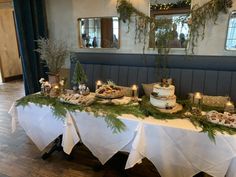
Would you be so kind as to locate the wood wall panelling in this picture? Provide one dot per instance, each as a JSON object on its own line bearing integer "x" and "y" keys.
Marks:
{"x": 89, "y": 73}
{"x": 97, "y": 70}
{"x": 114, "y": 73}
{"x": 5, "y": 1}
{"x": 186, "y": 82}
{"x": 123, "y": 76}
{"x": 188, "y": 77}
{"x": 11, "y": 64}
{"x": 223, "y": 83}
{"x": 198, "y": 81}
{"x": 175, "y": 74}
{"x": 84, "y": 67}
{"x": 132, "y": 76}
{"x": 211, "y": 83}
{"x": 152, "y": 75}
{"x": 233, "y": 86}
{"x": 5, "y": 5}
{"x": 142, "y": 78}
{"x": 105, "y": 75}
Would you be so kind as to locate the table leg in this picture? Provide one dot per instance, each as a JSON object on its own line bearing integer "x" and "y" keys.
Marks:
{"x": 56, "y": 147}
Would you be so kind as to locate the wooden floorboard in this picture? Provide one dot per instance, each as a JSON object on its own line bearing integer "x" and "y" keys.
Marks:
{"x": 19, "y": 157}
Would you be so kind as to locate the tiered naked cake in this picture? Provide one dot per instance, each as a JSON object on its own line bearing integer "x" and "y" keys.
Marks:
{"x": 163, "y": 96}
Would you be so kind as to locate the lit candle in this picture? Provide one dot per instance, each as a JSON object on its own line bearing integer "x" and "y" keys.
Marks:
{"x": 229, "y": 107}
{"x": 197, "y": 98}
{"x": 98, "y": 84}
{"x": 62, "y": 82}
{"x": 46, "y": 83}
{"x": 56, "y": 87}
{"x": 134, "y": 91}
{"x": 198, "y": 95}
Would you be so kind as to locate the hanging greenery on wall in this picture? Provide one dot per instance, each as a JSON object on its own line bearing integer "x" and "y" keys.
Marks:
{"x": 201, "y": 15}
{"x": 198, "y": 18}
{"x": 167, "y": 6}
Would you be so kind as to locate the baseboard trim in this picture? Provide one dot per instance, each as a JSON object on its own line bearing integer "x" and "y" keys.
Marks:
{"x": 12, "y": 78}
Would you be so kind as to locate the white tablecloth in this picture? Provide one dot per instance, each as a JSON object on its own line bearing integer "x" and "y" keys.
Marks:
{"x": 175, "y": 147}
{"x": 43, "y": 127}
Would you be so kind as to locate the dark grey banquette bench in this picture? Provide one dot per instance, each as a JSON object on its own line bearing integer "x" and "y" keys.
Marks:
{"x": 211, "y": 75}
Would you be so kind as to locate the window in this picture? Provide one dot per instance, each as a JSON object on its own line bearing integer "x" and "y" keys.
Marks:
{"x": 230, "y": 43}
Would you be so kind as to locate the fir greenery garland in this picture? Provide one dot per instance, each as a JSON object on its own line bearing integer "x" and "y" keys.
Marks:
{"x": 110, "y": 113}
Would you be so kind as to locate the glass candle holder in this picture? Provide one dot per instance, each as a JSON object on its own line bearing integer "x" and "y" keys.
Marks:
{"x": 134, "y": 92}
{"x": 197, "y": 99}
{"x": 229, "y": 107}
{"x": 98, "y": 84}
{"x": 57, "y": 89}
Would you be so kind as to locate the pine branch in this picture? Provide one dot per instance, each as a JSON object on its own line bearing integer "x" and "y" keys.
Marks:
{"x": 111, "y": 112}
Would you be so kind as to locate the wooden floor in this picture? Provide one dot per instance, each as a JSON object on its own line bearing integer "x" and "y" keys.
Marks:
{"x": 19, "y": 157}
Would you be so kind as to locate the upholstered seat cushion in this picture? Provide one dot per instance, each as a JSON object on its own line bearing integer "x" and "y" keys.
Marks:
{"x": 218, "y": 101}
{"x": 148, "y": 88}
{"x": 126, "y": 90}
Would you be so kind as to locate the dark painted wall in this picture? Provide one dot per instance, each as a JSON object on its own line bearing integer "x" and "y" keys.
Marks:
{"x": 212, "y": 75}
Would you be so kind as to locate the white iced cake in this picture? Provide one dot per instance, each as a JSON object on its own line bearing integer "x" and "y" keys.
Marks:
{"x": 163, "y": 97}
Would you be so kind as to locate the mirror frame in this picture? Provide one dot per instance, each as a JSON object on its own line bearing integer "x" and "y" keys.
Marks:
{"x": 97, "y": 48}
{"x": 226, "y": 48}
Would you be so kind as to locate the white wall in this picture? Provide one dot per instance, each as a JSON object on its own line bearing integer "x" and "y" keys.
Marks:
{"x": 62, "y": 23}
{"x": 215, "y": 35}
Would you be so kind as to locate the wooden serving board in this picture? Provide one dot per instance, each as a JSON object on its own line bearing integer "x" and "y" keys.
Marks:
{"x": 110, "y": 97}
{"x": 177, "y": 108}
{"x": 120, "y": 101}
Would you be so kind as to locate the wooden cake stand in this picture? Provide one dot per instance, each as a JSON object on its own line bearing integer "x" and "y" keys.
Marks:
{"x": 177, "y": 108}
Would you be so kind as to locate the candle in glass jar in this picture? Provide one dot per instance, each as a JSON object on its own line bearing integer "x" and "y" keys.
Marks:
{"x": 56, "y": 87}
{"x": 198, "y": 95}
{"x": 197, "y": 98}
{"x": 134, "y": 91}
{"x": 98, "y": 84}
{"x": 229, "y": 107}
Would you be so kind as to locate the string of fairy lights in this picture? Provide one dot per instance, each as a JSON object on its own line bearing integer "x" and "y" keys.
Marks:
{"x": 167, "y": 6}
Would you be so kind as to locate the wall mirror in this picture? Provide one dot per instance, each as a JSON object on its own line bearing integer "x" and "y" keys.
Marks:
{"x": 174, "y": 12}
{"x": 99, "y": 32}
{"x": 230, "y": 43}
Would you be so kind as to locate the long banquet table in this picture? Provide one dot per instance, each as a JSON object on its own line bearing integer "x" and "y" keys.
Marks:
{"x": 175, "y": 147}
